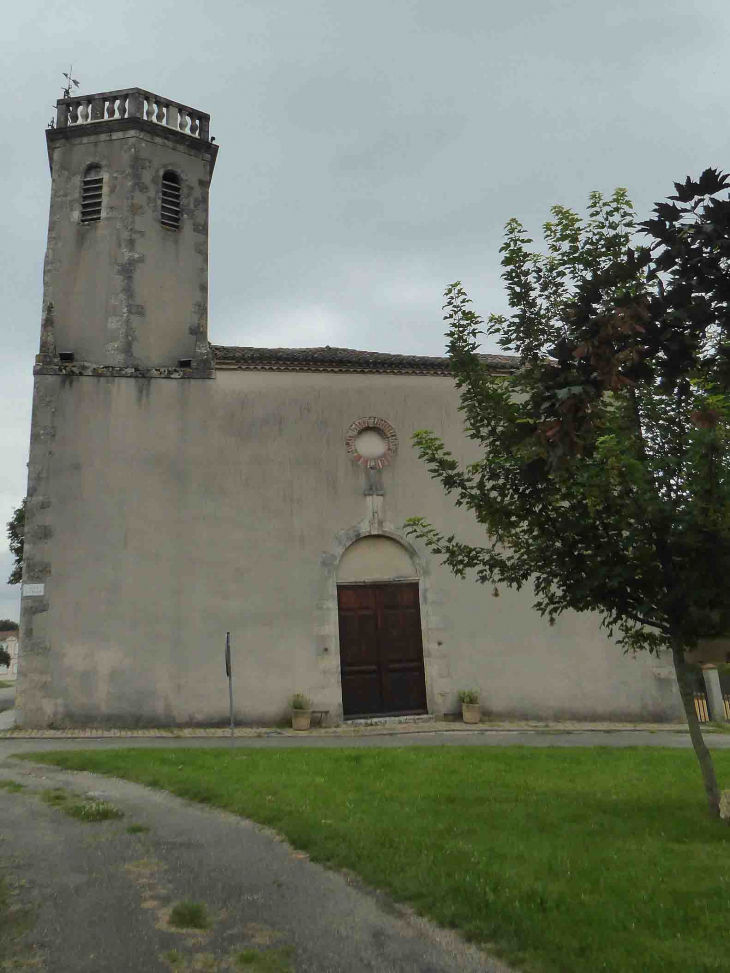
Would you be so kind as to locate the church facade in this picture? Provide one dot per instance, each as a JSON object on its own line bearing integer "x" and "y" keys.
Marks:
{"x": 179, "y": 490}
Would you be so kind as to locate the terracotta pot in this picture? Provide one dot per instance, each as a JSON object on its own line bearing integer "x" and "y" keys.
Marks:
{"x": 471, "y": 712}
{"x": 300, "y": 719}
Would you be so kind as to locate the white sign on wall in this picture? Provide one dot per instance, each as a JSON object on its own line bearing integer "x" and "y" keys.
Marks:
{"x": 33, "y": 589}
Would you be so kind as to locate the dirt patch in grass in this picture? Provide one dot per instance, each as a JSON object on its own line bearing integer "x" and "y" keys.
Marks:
{"x": 200, "y": 962}
{"x": 15, "y": 921}
{"x": 277, "y": 960}
{"x": 56, "y": 796}
{"x": 88, "y": 810}
{"x": 91, "y": 811}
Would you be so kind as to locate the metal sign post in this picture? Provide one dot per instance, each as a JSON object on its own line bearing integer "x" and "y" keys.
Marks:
{"x": 230, "y": 679}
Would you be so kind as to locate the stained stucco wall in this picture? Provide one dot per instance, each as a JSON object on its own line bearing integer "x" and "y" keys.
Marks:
{"x": 105, "y": 279}
{"x": 164, "y": 513}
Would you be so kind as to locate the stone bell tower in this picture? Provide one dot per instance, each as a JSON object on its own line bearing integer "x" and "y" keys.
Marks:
{"x": 126, "y": 270}
{"x": 124, "y": 358}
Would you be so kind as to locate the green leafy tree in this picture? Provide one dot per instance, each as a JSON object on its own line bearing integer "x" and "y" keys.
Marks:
{"x": 16, "y": 534}
{"x": 604, "y": 471}
{"x": 6, "y": 625}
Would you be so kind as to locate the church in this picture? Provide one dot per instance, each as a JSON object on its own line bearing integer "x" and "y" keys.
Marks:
{"x": 179, "y": 490}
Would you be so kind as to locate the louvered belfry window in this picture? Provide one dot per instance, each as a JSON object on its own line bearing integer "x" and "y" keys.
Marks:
{"x": 170, "y": 200}
{"x": 92, "y": 189}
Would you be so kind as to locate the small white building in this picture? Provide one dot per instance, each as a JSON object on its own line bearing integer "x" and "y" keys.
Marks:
{"x": 11, "y": 643}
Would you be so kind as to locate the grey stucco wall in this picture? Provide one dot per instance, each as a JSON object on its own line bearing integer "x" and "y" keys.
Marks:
{"x": 164, "y": 513}
{"x": 127, "y": 290}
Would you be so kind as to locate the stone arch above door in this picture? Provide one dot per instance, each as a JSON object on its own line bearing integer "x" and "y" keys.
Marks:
{"x": 375, "y": 558}
{"x": 327, "y": 638}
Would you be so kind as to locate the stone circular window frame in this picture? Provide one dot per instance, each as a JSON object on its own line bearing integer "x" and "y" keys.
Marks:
{"x": 391, "y": 441}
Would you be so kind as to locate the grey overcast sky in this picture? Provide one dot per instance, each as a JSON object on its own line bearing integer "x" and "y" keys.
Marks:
{"x": 371, "y": 152}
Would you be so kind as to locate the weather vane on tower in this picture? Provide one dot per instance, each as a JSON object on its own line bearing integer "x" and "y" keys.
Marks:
{"x": 71, "y": 82}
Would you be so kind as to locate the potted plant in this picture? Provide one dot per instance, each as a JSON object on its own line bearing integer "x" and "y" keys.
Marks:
{"x": 301, "y": 711}
{"x": 471, "y": 711}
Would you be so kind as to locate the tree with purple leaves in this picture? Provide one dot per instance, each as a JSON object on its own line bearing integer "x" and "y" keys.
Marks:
{"x": 603, "y": 477}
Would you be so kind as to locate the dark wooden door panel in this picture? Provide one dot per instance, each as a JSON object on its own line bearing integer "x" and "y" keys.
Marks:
{"x": 361, "y": 692}
{"x": 401, "y": 629}
{"x": 359, "y": 630}
{"x": 381, "y": 650}
{"x": 405, "y": 692}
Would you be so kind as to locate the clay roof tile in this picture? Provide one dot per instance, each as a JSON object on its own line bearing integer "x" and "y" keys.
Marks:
{"x": 343, "y": 359}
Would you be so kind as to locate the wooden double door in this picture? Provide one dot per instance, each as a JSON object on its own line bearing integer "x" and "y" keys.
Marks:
{"x": 381, "y": 650}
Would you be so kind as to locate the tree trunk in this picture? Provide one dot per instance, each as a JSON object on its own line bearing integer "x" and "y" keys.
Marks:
{"x": 704, "y": 757}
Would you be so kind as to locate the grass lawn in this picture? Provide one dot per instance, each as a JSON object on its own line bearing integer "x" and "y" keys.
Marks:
{"x": 561, "y": 860}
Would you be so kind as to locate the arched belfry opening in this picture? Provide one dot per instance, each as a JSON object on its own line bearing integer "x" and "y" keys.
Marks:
{"x": 381, "y": 644}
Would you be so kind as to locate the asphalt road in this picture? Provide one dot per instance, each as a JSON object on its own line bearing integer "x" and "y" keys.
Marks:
{"x": 99, "y": 899}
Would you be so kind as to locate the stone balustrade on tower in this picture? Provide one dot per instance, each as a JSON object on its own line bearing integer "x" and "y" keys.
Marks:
{"x": 112, "y": 106}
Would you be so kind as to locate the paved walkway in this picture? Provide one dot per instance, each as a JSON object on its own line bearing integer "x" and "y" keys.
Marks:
{"x": 360, "y": 731}
{"x": 404, "y": 735}
{"x": 98, "y": 899}
{"x": 354, "y": 730}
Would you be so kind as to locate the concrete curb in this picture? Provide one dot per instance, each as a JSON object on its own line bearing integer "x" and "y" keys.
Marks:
{"x": 342, "y": 731}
